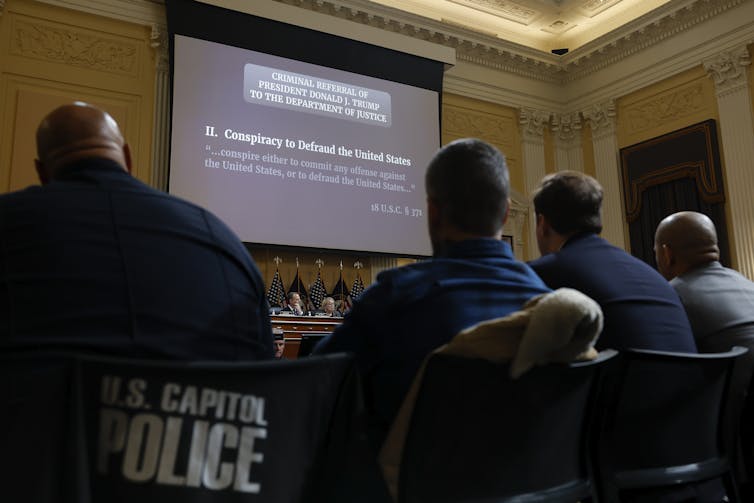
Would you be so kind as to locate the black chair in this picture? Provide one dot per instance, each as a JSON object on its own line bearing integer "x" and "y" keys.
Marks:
{"x": 92, "y": 429}
{"x": 661, "y": 427}
{"x": 477, "y": 435}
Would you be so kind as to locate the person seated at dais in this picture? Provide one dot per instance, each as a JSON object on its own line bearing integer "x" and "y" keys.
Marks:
{"x": 327, "y": 308}
{"x": 293, "y": 304}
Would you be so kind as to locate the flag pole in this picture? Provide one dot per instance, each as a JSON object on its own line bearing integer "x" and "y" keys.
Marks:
{"x": 342, "y": 295}
{"x": 298, "y": 279}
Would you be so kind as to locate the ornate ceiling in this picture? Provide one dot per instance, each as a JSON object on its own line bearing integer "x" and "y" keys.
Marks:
{"x": 495, "y": 33}
{"x": 540, "y": 24}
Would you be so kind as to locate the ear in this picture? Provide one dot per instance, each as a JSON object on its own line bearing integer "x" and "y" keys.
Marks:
{"x": 543, "y": 233}
{"x": 543, "y": 226}
{"x": 507, "y": 210}
{"x": 41, "y": 172}
{"x": 434, "y": 213}
{"x": 127, "y": 156}
{"x": 668, "y": 256}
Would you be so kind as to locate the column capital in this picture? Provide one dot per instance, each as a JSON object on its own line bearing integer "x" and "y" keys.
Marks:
{"x": 533, "y": 123}
{"x": 601, "y": 118}
{"x": 566, "y": 126}
{"x": 158, "y": 41}
{"x": 728, "y": 70}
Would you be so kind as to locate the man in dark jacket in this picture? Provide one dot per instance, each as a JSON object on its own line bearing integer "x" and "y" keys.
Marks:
{"x": 641, "y": 310}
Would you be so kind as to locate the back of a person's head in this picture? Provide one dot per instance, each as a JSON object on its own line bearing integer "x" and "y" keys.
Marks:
{"x": 570, "y": 201}
{"x": 78, "y": 131}
{"x": 469, "y": 180}
{"x": 691, "y": 235}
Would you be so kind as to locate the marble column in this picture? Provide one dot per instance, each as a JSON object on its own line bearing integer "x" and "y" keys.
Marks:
{"x": 533, "y": 124}
{"x": 161, "y": 121}
{"x": 729, "y": 70}
{"x": 601, "y": 118}
{"x": 566, "y": 130}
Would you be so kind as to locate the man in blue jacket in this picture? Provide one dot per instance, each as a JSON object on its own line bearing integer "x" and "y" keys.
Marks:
{"x": 641, "y": 309}
{"x": 472, "y": 276}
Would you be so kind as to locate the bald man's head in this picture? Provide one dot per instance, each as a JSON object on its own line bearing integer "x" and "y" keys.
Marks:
{"x": 684, "y": 241}
{"x": 74, "y": 132}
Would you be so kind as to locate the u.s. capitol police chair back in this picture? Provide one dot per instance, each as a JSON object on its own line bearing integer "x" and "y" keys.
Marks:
{"x": 92, "y": 429}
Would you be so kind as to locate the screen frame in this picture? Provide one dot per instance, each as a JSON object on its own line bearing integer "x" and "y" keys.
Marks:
{"x": 224, "y": 26}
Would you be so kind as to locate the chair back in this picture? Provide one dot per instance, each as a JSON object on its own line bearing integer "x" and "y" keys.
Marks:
{"x": 662, "y": 421}
{"x": 144, "y": 431}
{"x": 478, "y": 435}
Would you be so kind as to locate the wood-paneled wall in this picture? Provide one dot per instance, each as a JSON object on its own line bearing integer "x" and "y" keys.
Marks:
{"x": 308, "y": 267}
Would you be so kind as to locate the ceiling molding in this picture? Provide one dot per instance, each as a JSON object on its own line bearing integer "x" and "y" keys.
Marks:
{"x": 641, "y": 34}
{"x": 415, "y": 43}
{"x": 482, "y": 49}
{"x": 475, "y": 47}
{"x": 145, "y": 12}
{"x": 511, "y": 96}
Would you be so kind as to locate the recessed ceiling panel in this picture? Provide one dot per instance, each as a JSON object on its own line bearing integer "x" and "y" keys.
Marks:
{"x": 512, "y": 11}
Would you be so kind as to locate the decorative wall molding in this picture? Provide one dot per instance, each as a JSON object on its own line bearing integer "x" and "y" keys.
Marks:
{"x": 729, "y": 70}
{"x": 465, "y": 123}
{"x": 508, "y": 62}
{"x": 73, "y": 47}
{"x": 669, "y": 106}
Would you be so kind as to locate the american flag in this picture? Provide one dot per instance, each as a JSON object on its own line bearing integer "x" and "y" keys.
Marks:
{"x": 358, "y": 287}
{"x": 276, "y": 293}
{"x": 318, "y": 291}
